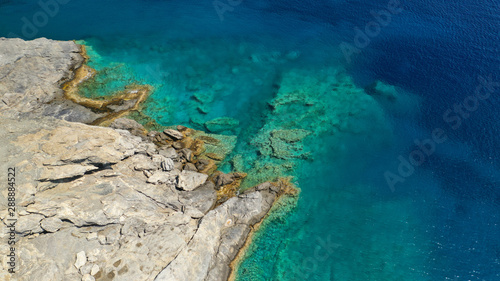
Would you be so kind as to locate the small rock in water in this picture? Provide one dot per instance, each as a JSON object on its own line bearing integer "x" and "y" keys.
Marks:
{"x": 177, "y": 145}
{"x": 174, "y": 134}
{"x": 181, "y": 128}
{"x": 162, "y": 136}
{"x": 202, "y": 163}
{"x": 223, "y": 179}
{"x": 198, "y": 147}
{"x": 215, "y": 156}
{"x": 153, "y": 134}
{"x": 187, "y": 153}
{"x": 186, "y": 142}
{"x": 207, "y": 167}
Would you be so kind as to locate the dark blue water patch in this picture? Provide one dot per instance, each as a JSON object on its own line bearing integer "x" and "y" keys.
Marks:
{"x": 465, "y": 238}
{"x": 466, "y": 179}
{"x": 437, "y": 49}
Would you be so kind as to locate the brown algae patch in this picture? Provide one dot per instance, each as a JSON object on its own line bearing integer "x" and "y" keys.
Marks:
{"x": 131, "y": 93}
{"x": 139, "y": 93}
{"x": 227, "y": 191}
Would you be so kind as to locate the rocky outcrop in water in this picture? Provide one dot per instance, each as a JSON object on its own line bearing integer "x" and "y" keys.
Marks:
{"x": 95, "y": 203}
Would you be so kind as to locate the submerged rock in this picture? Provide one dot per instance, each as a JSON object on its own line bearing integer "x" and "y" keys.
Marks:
{"x": 222, "y": 124}
{"x": 206, "y": 166}
{"x": 378, "y": 88}
{"x": 290, "y": 136}
{"x": 187, "y": 154}
{"x": 223, "y": 179}
{"x": 176, "y": 135}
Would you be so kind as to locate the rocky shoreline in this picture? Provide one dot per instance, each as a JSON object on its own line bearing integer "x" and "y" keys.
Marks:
{"x": 117, "y": 202}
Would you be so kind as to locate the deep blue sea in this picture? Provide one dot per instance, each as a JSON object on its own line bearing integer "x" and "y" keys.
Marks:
{"x": 400, "y": 181}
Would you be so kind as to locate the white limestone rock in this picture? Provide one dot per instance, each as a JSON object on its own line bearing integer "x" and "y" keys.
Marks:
{"x": 189, "y": 180}
{"x": 81, "y": 259}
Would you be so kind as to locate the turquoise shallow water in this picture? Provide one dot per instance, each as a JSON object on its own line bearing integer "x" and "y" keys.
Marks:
{"x": 299, "y": 108}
